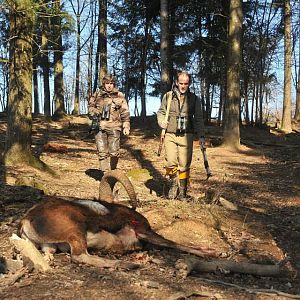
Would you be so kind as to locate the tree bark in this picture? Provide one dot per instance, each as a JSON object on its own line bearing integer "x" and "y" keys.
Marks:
{"x": 172, "y": 37}
{"x": 297, "y": 110}
{"x": 19, "y": 124}
{"x": 36, "y": 106}
{"x": 231, "y": 129}
{"x": 45, "y": 64}
{"x": 144, "y": 69}
{"x": 286, "y": 124}
{"x": 90, "y": 52}
{"x": 76, "y": 109}
{"x": 103, "y": 38}
{"x": 58, "y": 63}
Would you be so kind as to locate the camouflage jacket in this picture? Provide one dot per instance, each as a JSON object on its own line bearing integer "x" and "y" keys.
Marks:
{"x": 191, "y": 109}
{"x": 111, "y": 109}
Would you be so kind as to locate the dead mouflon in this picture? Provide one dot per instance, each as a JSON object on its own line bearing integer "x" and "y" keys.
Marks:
{"x": 81, "y": 224}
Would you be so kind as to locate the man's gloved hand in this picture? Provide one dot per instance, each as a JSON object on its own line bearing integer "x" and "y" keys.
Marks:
{"x": 92, "y": 115}
{"x": 202, "y": 140}
{"x": 164, "y": 124}
{"x": 126, "y": 131}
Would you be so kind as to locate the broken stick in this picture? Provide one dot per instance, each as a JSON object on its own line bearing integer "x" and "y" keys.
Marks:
{"x": 186, "y": 266}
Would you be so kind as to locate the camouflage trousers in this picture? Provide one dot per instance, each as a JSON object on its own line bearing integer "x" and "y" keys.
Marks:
{"x": 108, "y": 146}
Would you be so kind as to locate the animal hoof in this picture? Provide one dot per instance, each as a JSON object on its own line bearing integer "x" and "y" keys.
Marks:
{"x": 49, "y": 257}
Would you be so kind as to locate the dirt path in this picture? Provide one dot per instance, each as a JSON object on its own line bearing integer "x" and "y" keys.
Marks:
{"x": 261, "y": 182}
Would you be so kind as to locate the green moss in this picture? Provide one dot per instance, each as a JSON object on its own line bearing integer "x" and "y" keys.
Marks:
{"x": 13, "y": 158}
{"x": 29, "y": 181}
{"x": 139, "y": 174}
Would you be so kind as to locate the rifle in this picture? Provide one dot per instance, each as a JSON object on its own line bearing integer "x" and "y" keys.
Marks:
{"x": 205, "y": 160}
{"x": 163, "y": 132}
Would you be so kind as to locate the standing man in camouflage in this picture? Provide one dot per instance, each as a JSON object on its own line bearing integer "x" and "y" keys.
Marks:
{"x": 185, "y": 120}
{"x": 110, "y": 107}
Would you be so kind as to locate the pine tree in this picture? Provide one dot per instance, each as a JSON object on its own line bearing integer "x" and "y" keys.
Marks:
{"x": 19, "y": 125}
{"x": 231, "y": 133}
{"x": 286, "y": 124}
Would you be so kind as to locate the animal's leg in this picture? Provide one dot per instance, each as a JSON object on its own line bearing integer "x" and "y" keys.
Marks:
{"x": 101, "y": 262}
{"x": 123, "y": 241}
{"x": 105, "y": 241}
{"x": 49, "y": 250}
{"x": 63, "y": 247}
{"x": 79, "y": 254}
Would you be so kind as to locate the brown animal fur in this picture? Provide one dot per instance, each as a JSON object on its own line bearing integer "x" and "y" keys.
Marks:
{"x": 79, "y": 225}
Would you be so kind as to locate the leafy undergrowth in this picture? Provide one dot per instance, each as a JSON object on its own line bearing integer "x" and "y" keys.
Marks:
{"x": 249, "y": 210}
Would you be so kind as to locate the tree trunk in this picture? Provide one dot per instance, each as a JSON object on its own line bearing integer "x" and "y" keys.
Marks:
{"x": 126, "y": 64}
{"x": 231, "y": 129}
{"x": 44, "y": 60}
{"x": 172, "y": 37}
{"x": 221, "y": 102}
{"x": 253, "y": 104}
{"x": 58, "y": 63}
{"x": 297, "y": 110}
{"x": 35, "y": 82}
{"x": 36, "y": 106}
{"x": 256, "y": 101}
{"x": 90, "y": 53}
{"x": 19, "y": 124}
{"x": 96, "y": 78}
{"x": 77, "y": 68}
{"x": 261, "y": 99}
{"x": 45, "y": 65}
{"x": 164, "y": 47}
{"x": 207, "y": 102}
{"x": 5, "y": 90}
{"x": 246, "y": 97}
{"x": 103, "y": 38}
{"x": 286, "y": 124}
{"x": 144, "y": 70}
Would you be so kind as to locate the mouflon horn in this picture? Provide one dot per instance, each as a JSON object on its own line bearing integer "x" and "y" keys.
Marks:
{"x": 107, "y": 183}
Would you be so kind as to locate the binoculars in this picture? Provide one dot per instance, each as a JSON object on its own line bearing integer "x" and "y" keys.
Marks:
{"x": 181, "y": 123}
{"x": 105, "y": 115}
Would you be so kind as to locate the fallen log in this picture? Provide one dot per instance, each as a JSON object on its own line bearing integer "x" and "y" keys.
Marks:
{"x": 29, "y": 251}
{"x": 188, "y": 265}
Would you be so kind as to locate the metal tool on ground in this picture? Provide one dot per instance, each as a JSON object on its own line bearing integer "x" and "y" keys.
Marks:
{"x": 205, "y": 160}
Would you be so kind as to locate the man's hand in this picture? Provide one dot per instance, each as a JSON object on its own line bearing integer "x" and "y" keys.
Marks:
{"x": 164, "y": 124}
{"x": 93, "y": 115}
{"x": 126, "y": 131}
{"x": 202, "y": 140}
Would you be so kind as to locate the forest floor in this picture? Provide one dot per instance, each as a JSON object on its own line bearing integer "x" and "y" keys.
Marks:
{"x": 260, "y": 222}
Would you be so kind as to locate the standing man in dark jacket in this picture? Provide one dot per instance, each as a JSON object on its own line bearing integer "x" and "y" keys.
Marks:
{"x": 110, "y": 107}
{"x": 185, "y": 119}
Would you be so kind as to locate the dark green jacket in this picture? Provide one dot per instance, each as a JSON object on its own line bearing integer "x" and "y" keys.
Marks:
{"x": 191, "y": 109}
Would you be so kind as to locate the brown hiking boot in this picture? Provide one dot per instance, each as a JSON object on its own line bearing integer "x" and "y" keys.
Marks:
{"x": 104, "y": 164}
{"x": 114, "y": 162}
